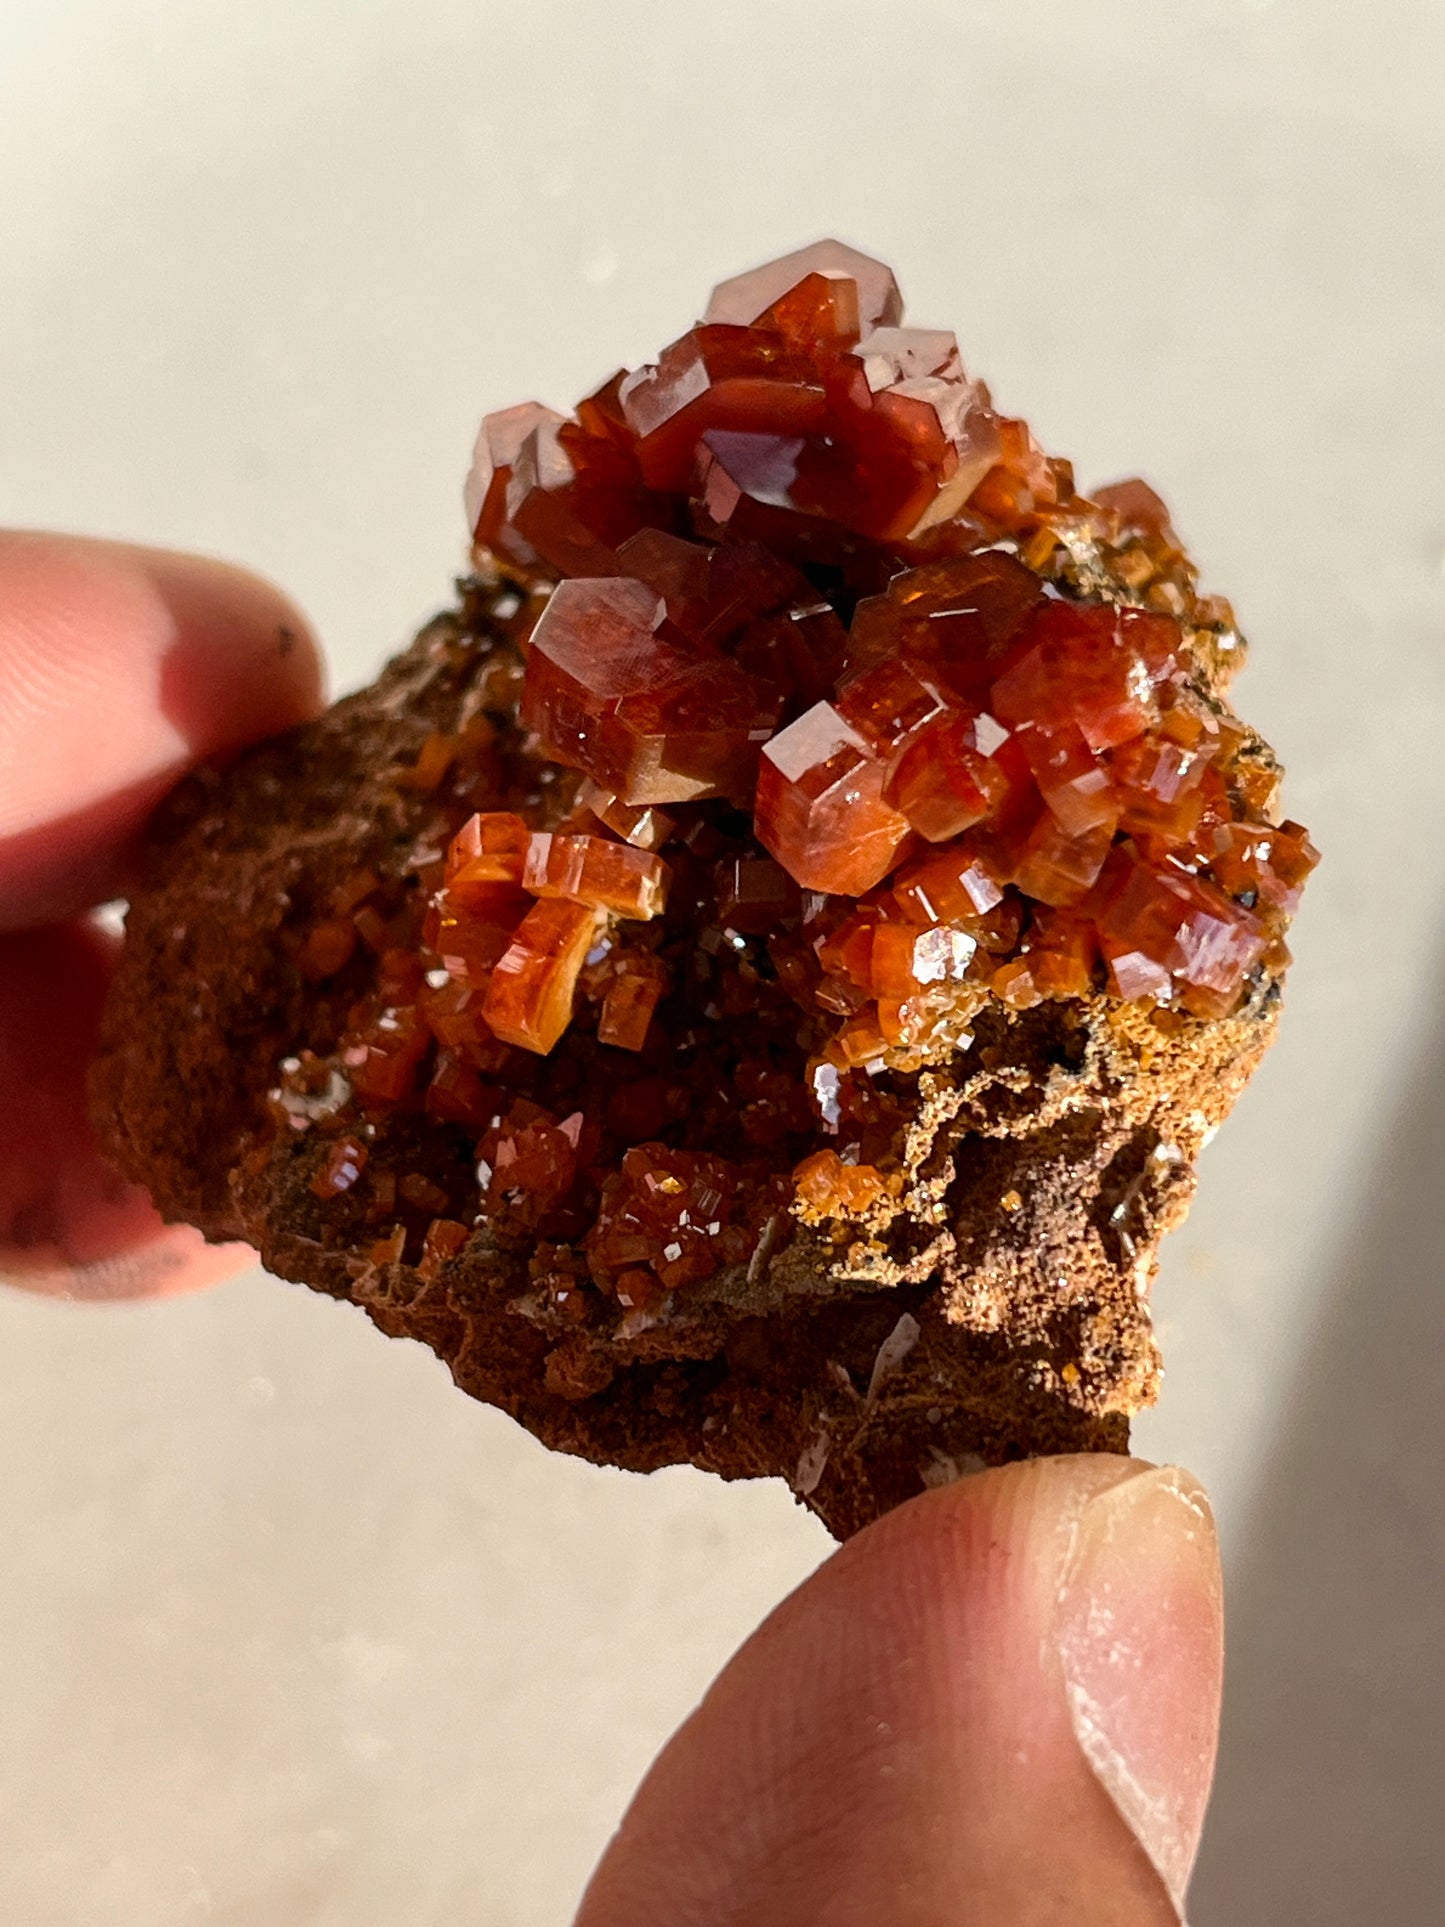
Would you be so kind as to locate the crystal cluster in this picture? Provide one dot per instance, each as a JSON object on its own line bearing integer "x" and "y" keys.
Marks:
{"x": 800, "y": 460}
{"x": 873, "y": 721}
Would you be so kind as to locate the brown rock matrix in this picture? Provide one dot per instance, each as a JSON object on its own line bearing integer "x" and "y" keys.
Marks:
{"x": 750, "y": 985}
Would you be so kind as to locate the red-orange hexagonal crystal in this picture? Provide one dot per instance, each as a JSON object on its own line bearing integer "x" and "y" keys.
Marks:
{"x": 874, "y": 302}
{"x": 820, "y": 807}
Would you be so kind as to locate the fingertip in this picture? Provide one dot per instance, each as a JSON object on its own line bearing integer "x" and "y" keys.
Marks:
{"x": 70, "y": 1226}
{"x": 245, "y": 662}
{"x": 1116, "y": 1561}
{"x": 1139, "y": 1631}
{"x": 137, "y": 1257}
{"x": 936, "y": 1726}
{"x": 119, "y": 668}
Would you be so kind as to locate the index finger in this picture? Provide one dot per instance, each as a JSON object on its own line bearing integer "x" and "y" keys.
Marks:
{"x": 120, "y": 667}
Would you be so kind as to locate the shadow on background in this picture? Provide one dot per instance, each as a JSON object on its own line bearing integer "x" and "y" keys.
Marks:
{"x": 1330, "y": 1806}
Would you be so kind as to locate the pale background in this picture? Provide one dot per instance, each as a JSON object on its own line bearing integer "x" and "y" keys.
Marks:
{"x": 291, "y": 1635}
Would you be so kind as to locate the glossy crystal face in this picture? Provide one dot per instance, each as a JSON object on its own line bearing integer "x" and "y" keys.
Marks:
{"x": 797, "y": 558}
{"x": 862, "y": 721}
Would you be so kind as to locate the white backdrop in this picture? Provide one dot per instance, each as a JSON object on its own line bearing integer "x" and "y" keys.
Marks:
{"x": 291, "y": 1635}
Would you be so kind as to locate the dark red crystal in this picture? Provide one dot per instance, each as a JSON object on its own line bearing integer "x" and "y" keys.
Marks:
{"x": 943, "y": 782}
{"x": 1097, "y": 667}
{"x": 630, "y": 999}
{"x": 1182, "y": 926}
{"x": 867, "y": 290}
{"x": 819, "y": 806}
{"x": 650, "y": 718}
{"x": 669, "y": 1212}
{"x": 857, "y": 720}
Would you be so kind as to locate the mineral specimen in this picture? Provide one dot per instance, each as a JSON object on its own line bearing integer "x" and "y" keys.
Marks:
{"x": 838, "y": 616}
{"x": 815, "y": 750}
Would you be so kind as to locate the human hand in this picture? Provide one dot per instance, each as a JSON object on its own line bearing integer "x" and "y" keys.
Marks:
{"x": 996, "y": 1707}
{"x": 976, "y": 1711}
{"x": 119, "y": 669}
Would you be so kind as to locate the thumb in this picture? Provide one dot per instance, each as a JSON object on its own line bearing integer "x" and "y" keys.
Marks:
{"x": 997, "y": 1705}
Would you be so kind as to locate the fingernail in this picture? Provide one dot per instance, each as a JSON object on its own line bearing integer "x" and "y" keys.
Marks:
{"x": 1139, "y": 1630}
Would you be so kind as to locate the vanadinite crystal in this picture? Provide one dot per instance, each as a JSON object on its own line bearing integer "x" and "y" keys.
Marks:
{"x": 837, "y": 718}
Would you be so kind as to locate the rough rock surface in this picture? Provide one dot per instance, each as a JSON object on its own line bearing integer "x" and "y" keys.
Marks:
{"x": 997, "y": 1307}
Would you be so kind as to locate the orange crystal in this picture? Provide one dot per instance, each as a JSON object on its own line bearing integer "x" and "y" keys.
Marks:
{"x": 592, "y": 870}
{"x": 1183, "y": 925}
{"x": 955, "y": 622}
{"x": 1058, "y": 866}
{"x": 529, "y": 996}
{"x": 827, "y": 1185}
{"x": 499, "y": 442}
{"x": 444, "y": 1238}
{"x": 670, "y": 1212}
{"x": 1093, "y": 665}
{"x": 904, "y": 958}
{"x": 631, "y": 998}
{"x": 471, "y": 938}
{"x": 489, "y": 848}
{"x": 958, "y": 882}
{"x": 528, "y": 1159}
{"x": 645, "y": 827}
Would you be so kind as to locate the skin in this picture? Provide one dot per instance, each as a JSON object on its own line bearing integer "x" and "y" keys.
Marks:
{"x": 998, "y": 1705}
